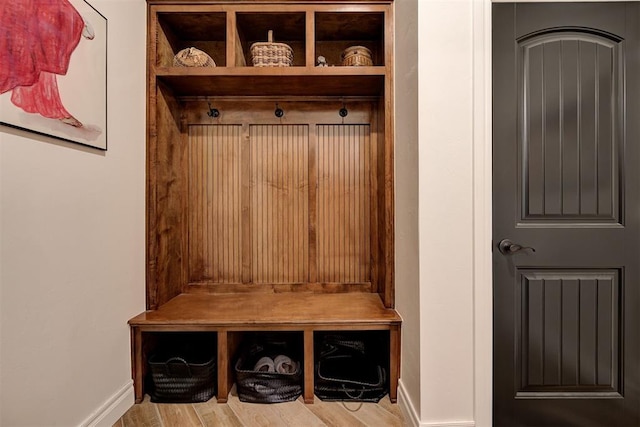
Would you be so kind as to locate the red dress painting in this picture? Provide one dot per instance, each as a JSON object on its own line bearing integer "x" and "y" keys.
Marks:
{"x": 37, "y": 38}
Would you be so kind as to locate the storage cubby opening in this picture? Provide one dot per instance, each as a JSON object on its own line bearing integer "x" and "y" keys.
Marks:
{"x": 179, "y": 349}
{"x": 180, "y": 344}
{"x": 288, "y": 28}
{"x": 270, "y": 344}
{"x": 351, "y": 365}
{"x": 375, "y": 341}
{"x": 204, "y": 31}
{"x": 270, "y": 367}
{"x": 375, "y": 344}
{"x": 336, "y": 31}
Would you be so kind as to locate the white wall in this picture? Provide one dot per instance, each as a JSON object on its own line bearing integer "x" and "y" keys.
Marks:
{"x": 446, "y": 209}
{"x": 444, "y": 333}
{"x": 406, "y": 190}
{"x": 72, "y": 253}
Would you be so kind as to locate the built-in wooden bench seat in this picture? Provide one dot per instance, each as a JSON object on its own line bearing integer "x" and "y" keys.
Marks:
{"x": 230, "y": 314}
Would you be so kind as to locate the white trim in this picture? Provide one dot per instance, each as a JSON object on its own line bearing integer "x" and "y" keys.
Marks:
{"x": 411, "y": 416}
{"x": 406, "y": 406}
{"x": 553, "y": 1}
{"x": 112, "y": 409}
{"x": 450, "y": 424}
{"x": 482, "y": 215}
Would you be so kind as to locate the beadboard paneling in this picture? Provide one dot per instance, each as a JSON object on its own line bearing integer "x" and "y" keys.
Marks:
{"x": 344, "y": 203}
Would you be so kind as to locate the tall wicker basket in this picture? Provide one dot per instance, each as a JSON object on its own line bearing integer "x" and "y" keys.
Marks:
{"x": 271, "y": 54}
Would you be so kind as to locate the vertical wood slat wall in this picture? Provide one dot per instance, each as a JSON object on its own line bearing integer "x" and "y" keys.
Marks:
{"x": 279, "y": 203}
{"x": 214, "y": 204}
{"x": 278, "y": 229}
{"x": 344, "y": 203}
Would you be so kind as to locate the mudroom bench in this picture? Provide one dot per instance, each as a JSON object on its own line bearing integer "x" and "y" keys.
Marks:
{"x": 270, "y": 185}
{"x": 230, "y": 315}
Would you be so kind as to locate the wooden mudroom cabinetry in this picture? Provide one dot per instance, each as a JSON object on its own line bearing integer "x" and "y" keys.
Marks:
{"x": 258, "y": 221}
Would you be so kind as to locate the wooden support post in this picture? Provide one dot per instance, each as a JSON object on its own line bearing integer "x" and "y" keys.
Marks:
{"x": 308, "y": 366}
{"x": 310, "y": 38}
{"x": 394, "y": 362}
{"x": 136, "y": 364}
{"x": 223, "y": 367}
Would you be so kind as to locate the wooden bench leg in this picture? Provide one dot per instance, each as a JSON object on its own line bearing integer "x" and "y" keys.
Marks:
{"x": 394, "y": 362}
{"x": 223, "y": 367}
{"x": 308, "y": 366}
{"x": 136, "y": 364}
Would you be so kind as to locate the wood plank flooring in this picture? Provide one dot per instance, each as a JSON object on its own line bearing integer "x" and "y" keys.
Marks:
{"x": 239, "y": 414}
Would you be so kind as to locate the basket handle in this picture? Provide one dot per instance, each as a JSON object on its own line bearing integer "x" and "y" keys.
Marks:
{"x": 353, "y": 397}
{"x": 270, "y": 36}
{"x": 175, "y": 360}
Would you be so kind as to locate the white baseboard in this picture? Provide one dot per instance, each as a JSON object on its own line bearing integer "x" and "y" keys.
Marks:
{"x": 406, "y": 406}
{"x": 412, "y": 418}
{"x": 112, "y": 409}
{"x": 449, "y": 424}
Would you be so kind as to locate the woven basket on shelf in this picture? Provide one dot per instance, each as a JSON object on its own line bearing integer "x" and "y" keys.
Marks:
{"x": 271, "y": 54}
{"x": 192, "y": 57}
{"x": 357, "y": 56}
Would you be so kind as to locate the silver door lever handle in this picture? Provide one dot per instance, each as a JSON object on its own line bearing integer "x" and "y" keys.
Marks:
{"x": 507, "y": 247}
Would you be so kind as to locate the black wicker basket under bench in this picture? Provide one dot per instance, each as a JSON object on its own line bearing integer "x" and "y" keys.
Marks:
{"x": 230, "y": 317}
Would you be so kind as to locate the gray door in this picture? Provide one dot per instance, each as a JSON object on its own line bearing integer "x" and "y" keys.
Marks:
{"x": 566, "y": 164}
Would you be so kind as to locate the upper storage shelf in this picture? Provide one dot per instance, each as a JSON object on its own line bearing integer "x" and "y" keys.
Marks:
{"x": 335, "y": 32}
{"x": 177, "y": 31}
{"x": 227, "y": 31}
{"x": 288, "y": 28}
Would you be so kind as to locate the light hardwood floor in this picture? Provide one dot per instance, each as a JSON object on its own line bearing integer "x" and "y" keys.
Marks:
{"x": 238, "y": 414}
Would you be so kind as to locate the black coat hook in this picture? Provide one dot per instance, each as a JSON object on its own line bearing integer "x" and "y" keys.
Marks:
{"x": 213, "y": 112}
{"x": 343, "y": 111}
{"x": 279, "y": 112}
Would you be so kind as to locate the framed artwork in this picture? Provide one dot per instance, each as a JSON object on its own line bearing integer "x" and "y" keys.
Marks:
{"x": 53, "y": 69}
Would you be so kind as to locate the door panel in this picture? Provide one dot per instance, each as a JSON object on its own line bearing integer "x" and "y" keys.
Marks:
{"x": 565, "y": 182}
{"x": 570, "y": 141}
{"x": 568, "y": 341}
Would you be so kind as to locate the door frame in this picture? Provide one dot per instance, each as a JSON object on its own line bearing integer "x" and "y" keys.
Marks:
{"x": 482, "y": 213}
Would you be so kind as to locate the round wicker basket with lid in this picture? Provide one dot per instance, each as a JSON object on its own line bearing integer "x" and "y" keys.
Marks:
{"x": 357, "y": 56}
{"x": 193, "y": 57}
